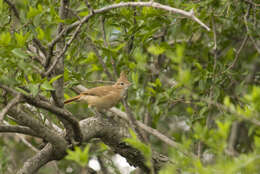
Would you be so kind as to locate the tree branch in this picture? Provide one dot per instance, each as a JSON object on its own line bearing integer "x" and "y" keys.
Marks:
{"x": 13, "y": 102}
{"x": 56, "y": 140}
{"x": 32, "y": 165}
{"x": 19, "y": 129}
{"x": 144, "y": 127}
{"x": 237, "y": 54}
{"x": 100, "y": 59}
{"x": 60, "y": 112}
{"x": 108, "y": 131}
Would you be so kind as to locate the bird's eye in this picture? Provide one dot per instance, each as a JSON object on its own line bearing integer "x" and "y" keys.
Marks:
{"x": 122, "y": 83}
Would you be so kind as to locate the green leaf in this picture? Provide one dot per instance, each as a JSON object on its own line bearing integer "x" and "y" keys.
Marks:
{"x": 32, "y": 12}
{"x": 47, "y": 86}
{"x": 158, "y": 82}
{"x": 227, "y": 101}
{"x": 18, "y": 52}
{"x": 79, "y": 156}
{"x": 1, "y": 6}
{"x": 40, "y": 33}
{"x": 5, "y": 38}
{"x": 83, "y": 13}
{"x": 22, "y": 91}
{"x": 156, "y": 49}
{"x": 143, "y": 148}
{"x": 53, "y": 79}
{"x": 21, "y": 39}
{"x": 34, "y": 88}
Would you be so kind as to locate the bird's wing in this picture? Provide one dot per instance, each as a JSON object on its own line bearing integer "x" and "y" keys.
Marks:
{"x": 98, "y": 91}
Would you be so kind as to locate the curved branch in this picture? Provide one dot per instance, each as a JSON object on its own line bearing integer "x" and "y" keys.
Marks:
{"x": 62, "y": 113}
{"x": 19, "y": 129}
{"x": 110, "y": 132}
{"x": 125, "y": 4}
{"x": 78, "y": 24}
{"x": 36, "y": 162}
{"x": 39, "y": 102}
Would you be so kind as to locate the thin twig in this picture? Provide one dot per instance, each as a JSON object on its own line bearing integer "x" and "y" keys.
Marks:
{"x": 248, "y": 32}
{"x": 237, "y": 54}
{"x": 27, "y": 143}
{"x": 13, "y": 102}
{"x": 232, "y": 139}
{"x": 222, "y": 107}
{"x": 133, "y": 122}
{"x": 103, "y": 19}
{"x": 63, "y": 51}
{"x": 100, "y": 59}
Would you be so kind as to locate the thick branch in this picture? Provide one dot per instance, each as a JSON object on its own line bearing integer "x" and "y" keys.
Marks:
{"x": 111, "y": 133}
{"x": 144, "y": 127}
{"x": 56, "y": 140}
{"x": 60, "y": 112}
{"x": 33, "y": 164}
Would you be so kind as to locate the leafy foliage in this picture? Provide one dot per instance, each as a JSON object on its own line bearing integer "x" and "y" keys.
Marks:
{"x": 190, "y": 84}
{"x": 79, "y": 156}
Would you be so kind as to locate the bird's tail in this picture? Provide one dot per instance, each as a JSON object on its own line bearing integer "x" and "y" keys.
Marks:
{"x": 72, "y": 99}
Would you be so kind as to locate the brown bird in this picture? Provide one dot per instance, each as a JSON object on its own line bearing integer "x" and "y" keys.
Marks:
{"x": 104, "y": 97}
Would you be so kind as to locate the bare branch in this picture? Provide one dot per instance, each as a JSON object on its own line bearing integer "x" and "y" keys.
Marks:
{"x": 78, "y": 24}
{"x": 133, "y": 122}
{"x": 126, "y": 4}
{"x": 252, "y": 3}
{"x": 32, "y": 165}
{"x": 12, "y": 6}
{"x": 107, "y": 131}
{"x": 59, "y": 112}
{"x": 13, "y": 102}
{"x": 155, "y": 5}
{"x": 19, "y": 129}
{"x": 150, "y": 130}
{"x": 61, "y": 54}
{"x": 56, "y": 140}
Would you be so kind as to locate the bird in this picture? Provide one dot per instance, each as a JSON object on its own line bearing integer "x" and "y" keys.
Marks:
{"x": 104, "y": 97}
